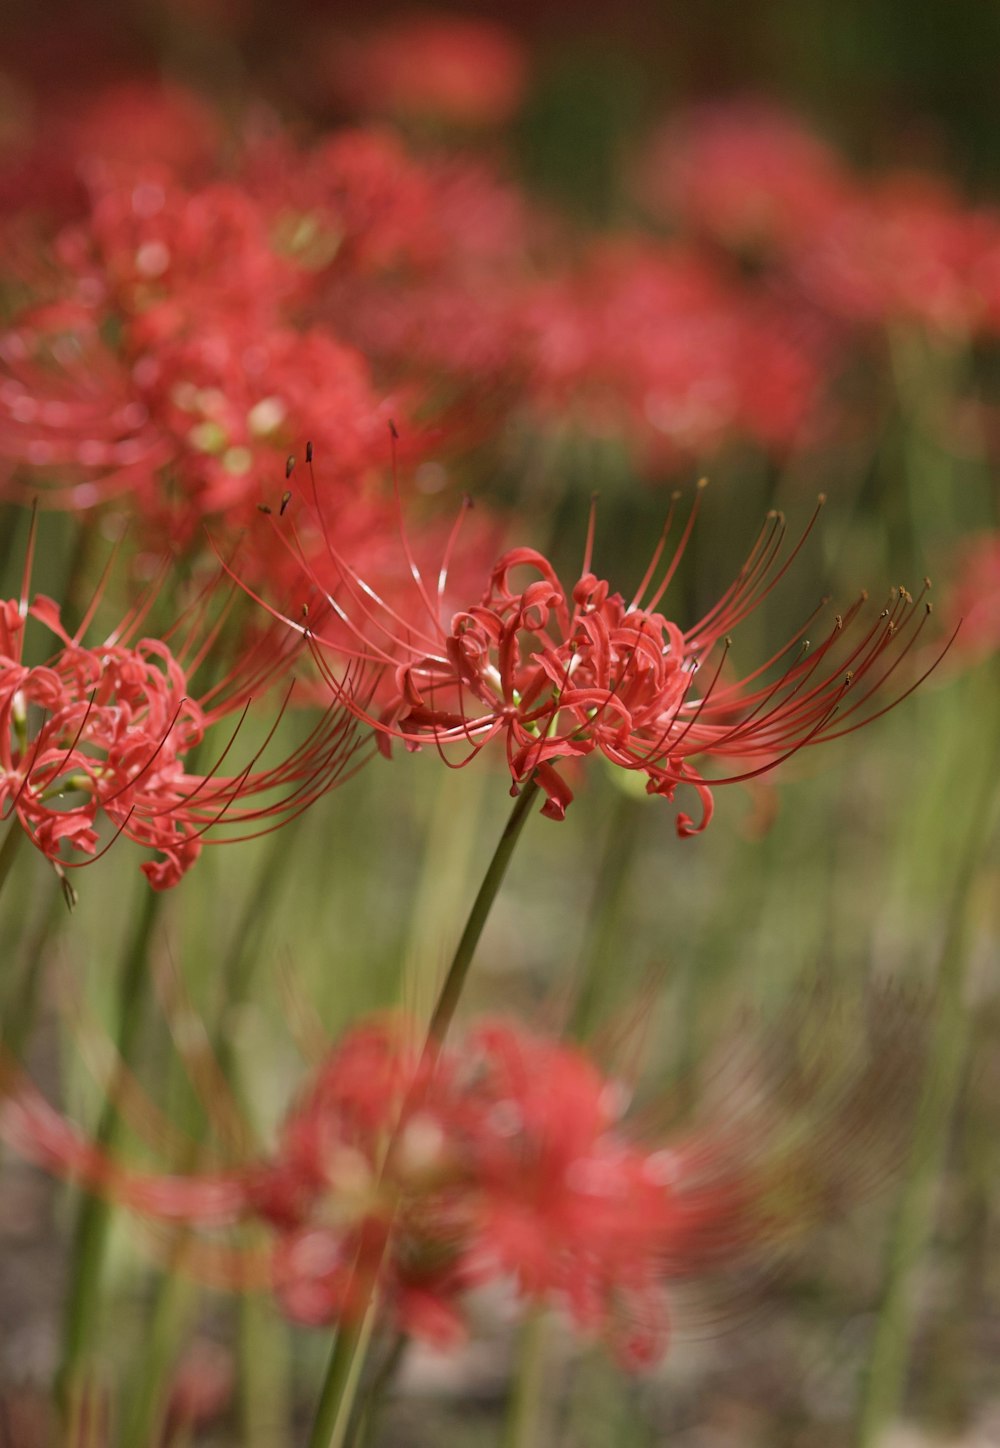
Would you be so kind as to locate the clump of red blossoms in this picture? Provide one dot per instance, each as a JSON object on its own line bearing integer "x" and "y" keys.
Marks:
{"x": 504, "y": 1157}
{"x": 110, "y": 730}
{"x": 746, "y": 173}
{"x": 558, "y": 674}
{"x": 435, "y": 66}
{"x": 909, "y": 249}
{"x": 656, "y": 345}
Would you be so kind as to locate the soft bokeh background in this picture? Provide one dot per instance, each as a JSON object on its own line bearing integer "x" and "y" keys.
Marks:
{"x": 862, "y": 867}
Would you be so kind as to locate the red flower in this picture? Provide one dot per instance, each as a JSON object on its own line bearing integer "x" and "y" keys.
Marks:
{"x": 975, "y": 601}
{"x": 505, "y": 1158}
{"x": 746, "y": 173}
{"x": 110, "y": 730}
{"x": 909, "y": 249}
{"x": 656, "y": 346}
{"x": 559, "y": 675}
{"x": 467, "y": 71}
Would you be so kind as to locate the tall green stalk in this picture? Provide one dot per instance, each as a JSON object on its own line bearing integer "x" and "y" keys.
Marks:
{"x": 90, "y": 1238}
{"x": 523, "y": 1428}
{"x": 604, "y": 924}
{"x": 262, "y": 1386}
{"x": 454, "y": 981}
{"x": 884, "y": 1382}
{"x": 343, "y": 1374}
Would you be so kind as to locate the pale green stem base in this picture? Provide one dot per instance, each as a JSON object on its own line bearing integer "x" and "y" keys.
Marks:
{"x": 523, "y": 1428}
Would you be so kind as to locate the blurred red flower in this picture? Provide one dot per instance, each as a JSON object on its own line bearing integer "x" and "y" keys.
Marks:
{"x": 459, "y": 69}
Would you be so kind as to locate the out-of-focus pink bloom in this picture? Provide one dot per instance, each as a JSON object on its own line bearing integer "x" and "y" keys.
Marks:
{"x": 185, "y": 339}
{"x": 462, "y": 70}
{"x": 975, "y": 597}
{"x": 745, "y": 173}
{"x": 421, "y": 263}
{"x": 503, "y": 1158}
{"x": 654, "y": 346}
{"x": 218, "y": 397}
{"x": 144, "y": 123}
{"x": 908, "y": 249}
{"x": 77, "y": 137}
{"x": 355, "y": 202}
{"x": 164, "y": 346}
{"x": 555, "y": 675}
{"x": 109, "y": 730}
{"x": 201, "y": 1386}
{"x": 165, "y": 255}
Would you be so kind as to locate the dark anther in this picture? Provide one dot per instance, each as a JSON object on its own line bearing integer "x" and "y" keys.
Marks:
{"x": 393, "y": 430}
{"x": 289, "y": 465}
{"x": 309, "y": 452}
{"x": 263, "y": 508}
{"x": 286, "y": 498}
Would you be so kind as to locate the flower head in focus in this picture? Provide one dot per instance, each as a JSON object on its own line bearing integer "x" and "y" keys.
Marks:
{"x": 112, "y": 730}
{"x": 555, "y": 675}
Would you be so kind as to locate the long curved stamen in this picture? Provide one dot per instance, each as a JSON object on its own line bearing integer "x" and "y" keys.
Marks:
{"x": 657, "y": 552}
{"x": 681, "y": 548}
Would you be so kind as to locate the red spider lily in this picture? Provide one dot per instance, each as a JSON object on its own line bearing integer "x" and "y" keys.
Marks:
{"x": 909, "y": 249}
{"x": 167, "y": 366}
{"x": 189, "y": 429}
{"x": 69, "y": 139}
{"x": 656, "y": 346}
{"x": 504, "y": 1158}
{"x": 746, "y": 173}
{"x": 557, "y": 675}
{"x": 975, "y": 597}
{"x": 445, "y": 67}
{"x": 111, "y": 730}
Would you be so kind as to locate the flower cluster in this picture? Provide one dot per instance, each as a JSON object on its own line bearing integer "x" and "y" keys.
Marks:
{"x": 900, "y": 246}
{"x": 504, "y": 1159}
{"x": 430, "y": 67}
{"x": 556, "y": 675}
{"x": 657, "y": 346}
{"x": 113, "y": 730}
{"x": 197, "y": 309}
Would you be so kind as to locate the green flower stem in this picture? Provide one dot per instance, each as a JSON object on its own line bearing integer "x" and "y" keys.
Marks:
{"x": 454, "y": 981}
{"x": 604, "y": 931}
{"x": 523, "y": 1428}
{"x": 343, "y": 1374}
{"x": 883, "y": 1386}
{"x": 9, "y": 849}
{"x": 374, "y": 1394}
{"x": 264, "y": 1388}
{"x": 262, "y": 1381}
{"x": 144, "y": 1412}
{"x": 94, "y": 1219}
